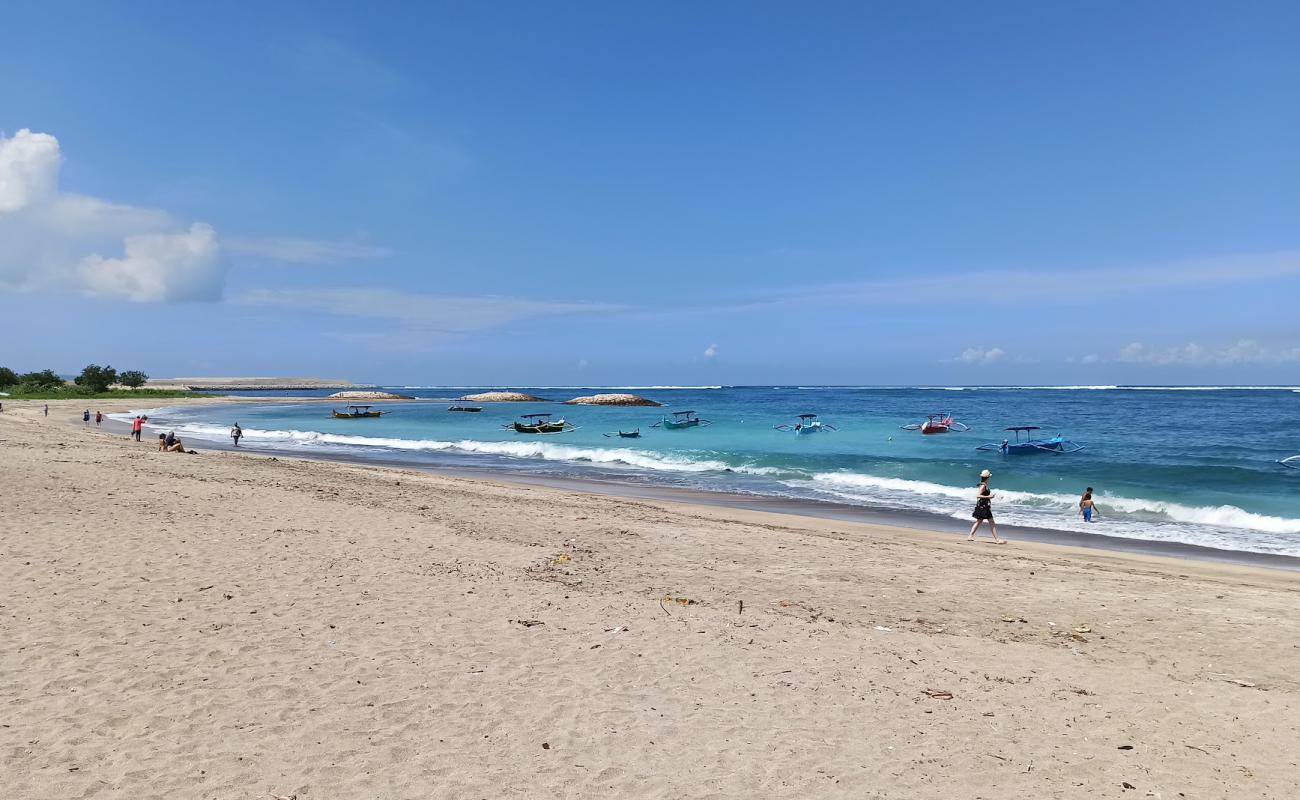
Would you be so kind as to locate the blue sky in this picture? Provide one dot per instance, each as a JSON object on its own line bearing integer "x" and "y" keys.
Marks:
{"x": 595, "y": 193}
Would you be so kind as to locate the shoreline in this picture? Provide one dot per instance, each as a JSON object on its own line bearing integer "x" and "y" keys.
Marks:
{"x": 248, "y": 625}
{"x": 936, "y": 524}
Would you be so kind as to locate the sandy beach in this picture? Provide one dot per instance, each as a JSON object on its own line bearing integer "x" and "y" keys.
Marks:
{"x": 225, "y": 625}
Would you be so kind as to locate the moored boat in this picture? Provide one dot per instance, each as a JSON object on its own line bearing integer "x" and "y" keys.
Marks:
{"x": 680, "y": 420}
{"x": 937, "y": 423}
{"x": 808, "y": 423}
{"x": 466, "y": 409}
{"x": 357, "y": 412}
{"x": 1026, "y": 443}
{"x": 540, "y": 423}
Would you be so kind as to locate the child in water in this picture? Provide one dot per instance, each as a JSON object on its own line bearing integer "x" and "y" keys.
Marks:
{"x": 1087, "y": 508}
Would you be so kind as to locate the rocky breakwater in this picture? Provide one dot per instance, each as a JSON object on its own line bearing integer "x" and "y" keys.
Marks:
{"x": 611, "y": 400}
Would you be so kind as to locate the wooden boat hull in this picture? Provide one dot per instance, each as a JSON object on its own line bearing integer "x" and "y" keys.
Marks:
{"x": 1056, "y": 444}
{"x": 550, "y": 427}
{"x": 931, "y": 428}
{"x": 466, "y": 409}
{"x": 366, "y": 415}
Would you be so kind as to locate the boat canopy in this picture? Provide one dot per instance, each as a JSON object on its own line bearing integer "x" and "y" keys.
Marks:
{"x": 682, "y": 413}
{"x": 533, "y": 416}
{"x": 359, "y": 408}
{"x": 1023, "y": 428}
{"x": 807, "y": 416}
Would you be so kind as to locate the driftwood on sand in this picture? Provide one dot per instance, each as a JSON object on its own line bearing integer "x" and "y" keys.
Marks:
{"x": 611, "y": 400}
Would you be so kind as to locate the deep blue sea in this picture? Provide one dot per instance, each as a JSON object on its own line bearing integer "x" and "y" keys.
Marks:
{"x": 1192, "y": 465}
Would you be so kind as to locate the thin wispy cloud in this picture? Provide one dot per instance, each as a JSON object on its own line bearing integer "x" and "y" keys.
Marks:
{"x": 337, "y": 65}
{"x": 1243, "y": 351}
{"x": 453, "y": 314}
{"x": 293, "y": 250}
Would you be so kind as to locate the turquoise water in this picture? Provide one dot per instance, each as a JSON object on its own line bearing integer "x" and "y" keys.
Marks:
{"x": 1185, "y": 465}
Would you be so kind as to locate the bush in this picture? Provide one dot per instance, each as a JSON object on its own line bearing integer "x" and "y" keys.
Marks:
{"x": 96, "y": 378}
{"x": 132, "y": 378}
{"x": 45, "y": 379}
{"x": 8, "y": 377}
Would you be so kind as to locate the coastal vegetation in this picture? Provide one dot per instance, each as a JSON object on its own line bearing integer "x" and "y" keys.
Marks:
{"x": 94, "y": 382}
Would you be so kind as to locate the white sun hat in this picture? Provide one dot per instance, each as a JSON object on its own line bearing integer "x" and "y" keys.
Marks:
{"x": 986, "y": 474}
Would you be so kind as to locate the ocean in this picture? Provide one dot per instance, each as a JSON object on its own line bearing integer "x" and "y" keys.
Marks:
{"x": 1192, "y": 465}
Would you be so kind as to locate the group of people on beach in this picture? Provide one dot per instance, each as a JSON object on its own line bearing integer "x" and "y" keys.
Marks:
{"x": 984, "y": 509}
{"x": 85, "y": 416}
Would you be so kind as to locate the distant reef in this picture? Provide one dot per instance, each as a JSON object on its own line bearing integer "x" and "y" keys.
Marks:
{"x": 363, "y": 395}
{"x": 502, "y": 397}
{"x": 247, "y": 384}
{"x": 611, "y": 400}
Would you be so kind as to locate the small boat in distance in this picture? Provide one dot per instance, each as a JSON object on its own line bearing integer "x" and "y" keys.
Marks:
{"x": 636, "y": 434}
{"x": 539, "y": 423}
{"x": 937, "y": 423}
{"x": 680, "y": 420}
{"x": 466, "y": 409}
{"x": 1026, "y": 443}
{"x": 1291, "y": 463}
{"x": 357, "y": 412}
{"x": 808, "y": 423}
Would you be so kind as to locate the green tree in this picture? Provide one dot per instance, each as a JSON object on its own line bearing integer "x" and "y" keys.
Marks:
{"x": 8, "y": 377}
{"x": 133, "y": 378}
{"x": 45, "y": 379}
{"x": 96, "y": 378}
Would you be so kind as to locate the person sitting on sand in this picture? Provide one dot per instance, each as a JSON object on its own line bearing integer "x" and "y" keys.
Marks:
{"x": 169, "y": 442}
{"x": 1087, "y": 508}
{"x": 984, "y": 510}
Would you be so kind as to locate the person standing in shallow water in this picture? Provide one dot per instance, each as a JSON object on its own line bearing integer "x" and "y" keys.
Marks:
{"x": 984, "y": 510}
{"x": 1087, "y": 508}
{"x": 236, "y": 433}
{"x": 99, "y": 418}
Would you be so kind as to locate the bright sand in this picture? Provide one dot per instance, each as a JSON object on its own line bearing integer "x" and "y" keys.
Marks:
{"x": 231, "y": 626}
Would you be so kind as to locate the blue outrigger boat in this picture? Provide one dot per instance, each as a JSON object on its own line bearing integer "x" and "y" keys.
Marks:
{"x": 808, "y": 423}
{"x": 1025, "y": 443}
{"x": 681, "y": 420}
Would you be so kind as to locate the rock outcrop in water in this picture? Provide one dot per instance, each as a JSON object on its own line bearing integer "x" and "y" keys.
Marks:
{"x": 369, "y": 396}
{"x": 502, "y": 397}
{"x": 611, "y": 400}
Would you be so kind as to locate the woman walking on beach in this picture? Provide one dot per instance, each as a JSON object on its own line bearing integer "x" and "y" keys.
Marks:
{"x": 984, "y": 510}
{"x": 236, "y": 433}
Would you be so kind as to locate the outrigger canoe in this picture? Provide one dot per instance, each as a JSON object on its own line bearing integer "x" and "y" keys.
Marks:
{"x": 808, "y": 423}
{"x": 1027, "y": 444}
{"x": 681, "y": 420}
{"x": 539, "y": 423}
{"x": 357, "y": 412}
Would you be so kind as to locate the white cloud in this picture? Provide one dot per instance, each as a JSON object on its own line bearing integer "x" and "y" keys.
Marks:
{"x": 304, "y": 251}
{"x": 979, "y": 355}
{"x": 55, "y": 240}
{"x": 430, "y": 312}
{"x": 1091, "y": 358}
{"x": 711, "y": 351}
{"x": 29, "y": 169}
{"x": 159, "y": 267}
{"x": 1243, "y": 351}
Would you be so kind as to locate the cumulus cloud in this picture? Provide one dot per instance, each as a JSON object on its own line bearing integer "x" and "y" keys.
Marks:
{"x": 159, "y": 267}
{"x": 57, "y": 240}
{"x": 711, "y": 351}
{"x": 60, "y": 241}
{"x": 980, "y": 355}
{"x": 1243, "y": 351}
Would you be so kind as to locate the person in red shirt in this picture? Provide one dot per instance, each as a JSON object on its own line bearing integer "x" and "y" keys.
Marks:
{"x": 137, "y": 425}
